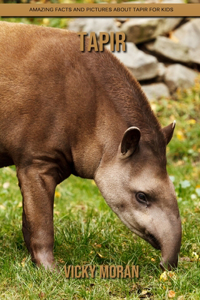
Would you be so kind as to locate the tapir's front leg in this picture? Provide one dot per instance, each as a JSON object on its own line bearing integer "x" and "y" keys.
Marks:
{"x": 37, "y": 186}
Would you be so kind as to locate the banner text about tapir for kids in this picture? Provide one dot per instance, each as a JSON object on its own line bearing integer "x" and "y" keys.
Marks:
{"x": 99, "y": 10}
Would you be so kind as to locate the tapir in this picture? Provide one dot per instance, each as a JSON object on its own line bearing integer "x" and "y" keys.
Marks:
{"x": 63, "y": 112}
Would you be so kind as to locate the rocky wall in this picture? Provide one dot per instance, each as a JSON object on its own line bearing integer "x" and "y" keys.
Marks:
{"x": 162, "y": 53}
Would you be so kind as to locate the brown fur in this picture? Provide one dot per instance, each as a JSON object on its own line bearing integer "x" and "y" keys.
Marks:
{"x": 65, "y": 112}
{"x": 129, "y": 101}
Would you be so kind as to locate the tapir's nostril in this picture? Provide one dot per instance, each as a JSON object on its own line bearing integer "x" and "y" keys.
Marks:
{"x": 154, "y": 242}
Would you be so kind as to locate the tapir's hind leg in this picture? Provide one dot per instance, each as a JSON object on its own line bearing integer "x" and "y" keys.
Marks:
{"x": 37, "y": 186}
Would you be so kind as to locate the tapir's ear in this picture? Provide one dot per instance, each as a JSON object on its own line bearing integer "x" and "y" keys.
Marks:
{"x": 130, "y": 141}
{"x": 168, "y": 131}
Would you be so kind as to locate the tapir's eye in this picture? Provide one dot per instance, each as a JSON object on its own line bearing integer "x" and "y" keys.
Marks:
{"x": 141, "y": 197}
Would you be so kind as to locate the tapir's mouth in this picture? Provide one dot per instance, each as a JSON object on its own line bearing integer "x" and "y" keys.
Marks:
{"x": 153, "y": 241}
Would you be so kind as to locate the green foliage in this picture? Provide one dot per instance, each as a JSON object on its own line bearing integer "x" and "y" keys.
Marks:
{"x": 49, "y": 22}
{"x": 88, "y": 232}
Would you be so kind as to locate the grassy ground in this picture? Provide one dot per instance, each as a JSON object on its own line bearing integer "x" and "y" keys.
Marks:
{"x": 88, "y": 232}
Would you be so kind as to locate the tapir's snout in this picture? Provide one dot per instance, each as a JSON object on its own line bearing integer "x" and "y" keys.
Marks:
{"x": 169, "y": 251}
{"x": 170, "y": 257}
{"x": 170, "y": 262}
{"x": 165, "y": 234}
{"x": 169, "y": 265}
{"x": 170, "y": 246}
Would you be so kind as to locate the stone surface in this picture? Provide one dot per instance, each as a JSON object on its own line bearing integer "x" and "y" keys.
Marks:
{"x": 155, "y": 91}
{"x": 189, "y": 34}
{"x": 183, "y": 46}
{"x": 161, "y": 71}
{"x": 143, "y": 66}
{"x": 170, "y": 49}
{"x": 93, "y": 25}
{"x": 195, "y": 55}
{"x": 144, "y": 29}
{"x": 178, "y": 76}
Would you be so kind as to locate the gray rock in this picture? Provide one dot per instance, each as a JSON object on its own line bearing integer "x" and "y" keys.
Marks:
{"x": 186, "y": 50}
{"x": 189, "y": 34}
{"x": 178, "y": 76}
{"x": 93, "y": 25}
{"x": 144, "y": 29}
{"x": 143, "y": 66}
{"x": 170, "y": 49}
{"x": 77, "y": 24}
{"x": 156, "y": 91}
{"x": 161, "y": 71}
{"x": 195, "y": 55}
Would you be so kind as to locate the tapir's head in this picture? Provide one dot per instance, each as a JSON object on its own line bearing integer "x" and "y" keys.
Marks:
{"x": 135, "y": 184}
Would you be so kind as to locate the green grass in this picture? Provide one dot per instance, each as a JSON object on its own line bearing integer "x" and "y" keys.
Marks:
{"x": 88, "y": 232}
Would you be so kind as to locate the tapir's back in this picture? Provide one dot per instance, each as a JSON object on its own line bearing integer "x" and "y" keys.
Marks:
{"x": 42, "y": 86}
{"x": 32, "y": 56}
{"x": 45, "y": 66}
{"x": 54, "y": 95}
